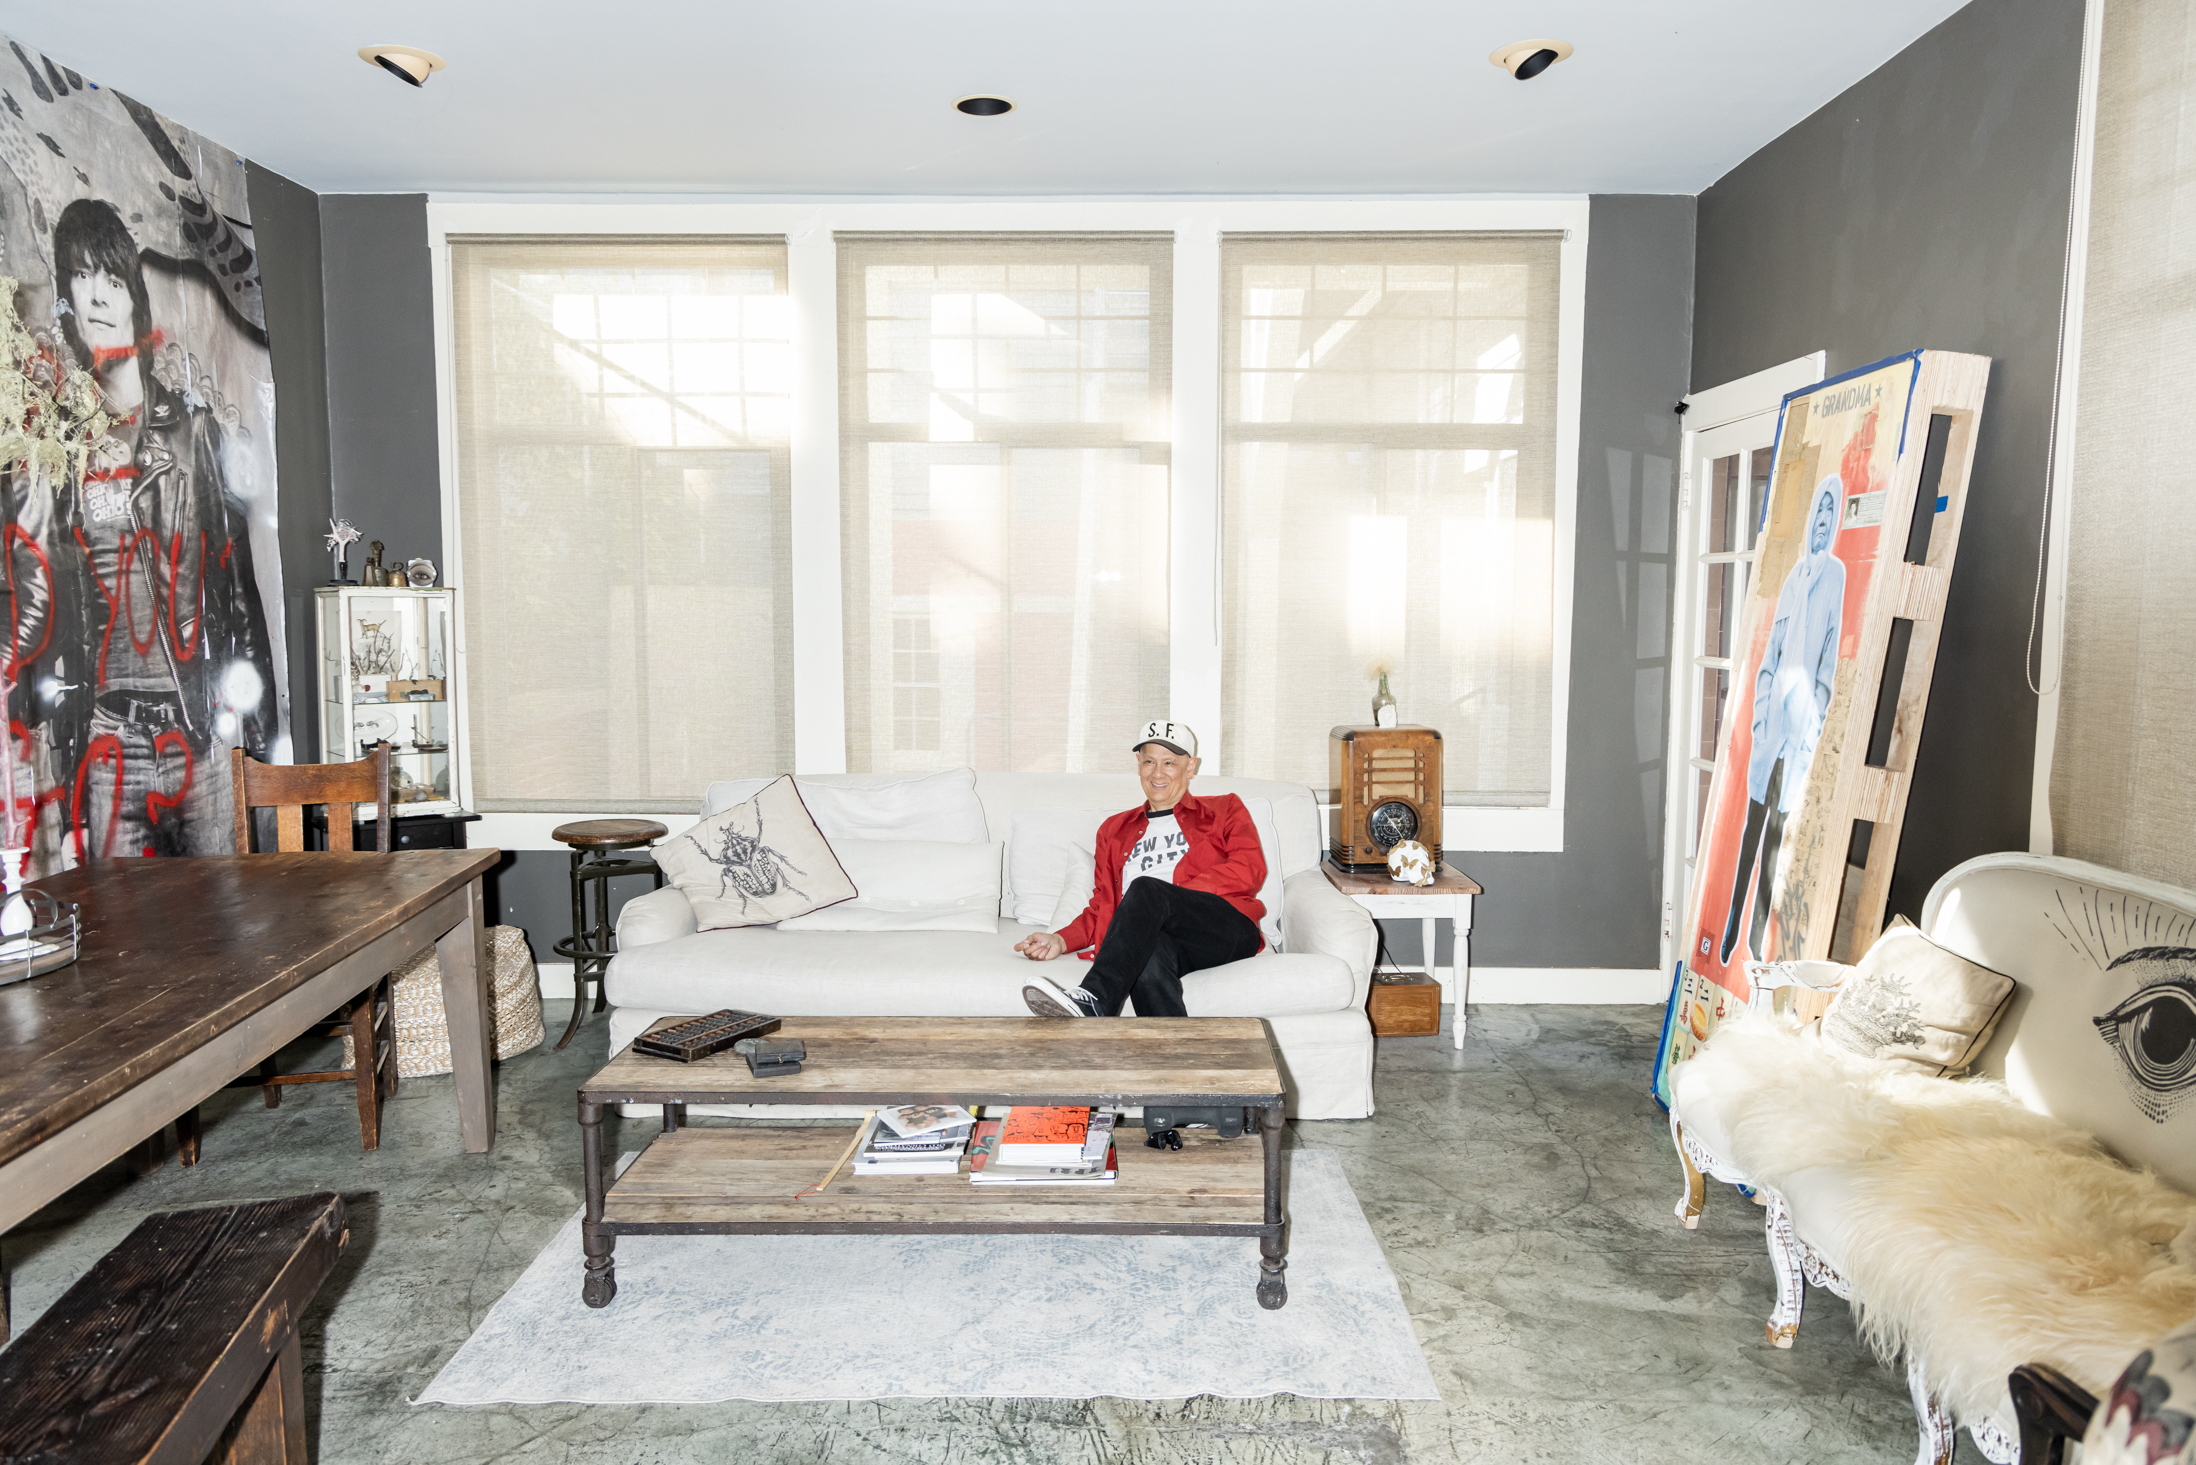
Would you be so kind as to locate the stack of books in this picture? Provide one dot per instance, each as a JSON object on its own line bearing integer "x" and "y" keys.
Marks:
{"x": 913, "y": 1139}
{"x": 1045, "y": 1145}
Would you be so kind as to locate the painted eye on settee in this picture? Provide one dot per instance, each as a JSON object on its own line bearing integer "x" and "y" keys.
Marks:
{"x": 2152, "y": 1032}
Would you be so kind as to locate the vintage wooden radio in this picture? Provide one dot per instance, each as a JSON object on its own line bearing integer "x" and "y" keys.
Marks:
{"x": 1387, "y": 783}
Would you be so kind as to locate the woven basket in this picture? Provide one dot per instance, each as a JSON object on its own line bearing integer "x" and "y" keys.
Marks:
{"x": 423, "y": 1037}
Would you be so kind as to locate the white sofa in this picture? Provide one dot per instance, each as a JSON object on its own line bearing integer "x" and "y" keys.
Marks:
{"x": 1312, "y": 992}
{"x": 2025, "y": 1244}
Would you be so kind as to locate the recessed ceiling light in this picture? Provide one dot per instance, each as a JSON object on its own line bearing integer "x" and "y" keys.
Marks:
{"x": 1527, "y": 59}
{"x": 407, "y": 64}
{"x": 984, "y": 106}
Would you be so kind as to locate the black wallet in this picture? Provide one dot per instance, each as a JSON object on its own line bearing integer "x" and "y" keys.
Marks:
{"x": 771, "y": 1057}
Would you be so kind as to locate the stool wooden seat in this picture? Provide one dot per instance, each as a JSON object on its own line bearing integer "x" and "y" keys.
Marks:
{"x": 179, "y": 1345}
{"x": 608, "y": 833}
{"x": 596, "y": 860}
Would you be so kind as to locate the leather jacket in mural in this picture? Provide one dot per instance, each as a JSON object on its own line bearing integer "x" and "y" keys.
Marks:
{"x": 191, "y": 562}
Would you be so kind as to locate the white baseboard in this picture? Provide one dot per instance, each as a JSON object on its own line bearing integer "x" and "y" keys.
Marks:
{"x": 1511, "y": 985}
{"x": 555, "y": 978}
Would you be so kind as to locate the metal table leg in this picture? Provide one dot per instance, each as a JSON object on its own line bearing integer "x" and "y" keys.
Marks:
{"x": 1273, "y": 1247}
{"x": 602, "y": 1275}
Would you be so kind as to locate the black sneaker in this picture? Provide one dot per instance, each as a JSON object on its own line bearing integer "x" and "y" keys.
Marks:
{"x": 1050, "y": 999}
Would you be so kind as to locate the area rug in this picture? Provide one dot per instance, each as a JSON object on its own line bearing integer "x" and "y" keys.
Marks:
{"x": 701, "y": 1319}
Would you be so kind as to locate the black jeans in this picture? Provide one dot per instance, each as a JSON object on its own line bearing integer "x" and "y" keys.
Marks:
{"x": 1758, "y": 847}
{"x": 1161, "y": 932}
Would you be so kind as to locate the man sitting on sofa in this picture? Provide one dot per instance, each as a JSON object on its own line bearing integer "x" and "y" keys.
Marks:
{"x": 1175, "y": 891}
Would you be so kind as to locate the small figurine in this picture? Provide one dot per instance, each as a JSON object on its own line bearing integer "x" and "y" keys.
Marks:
{"x": 373, "y": 574}
{"x": 342, "y": 534}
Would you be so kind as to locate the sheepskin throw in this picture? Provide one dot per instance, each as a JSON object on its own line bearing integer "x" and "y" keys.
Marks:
{"x": 1974, "y": 1232}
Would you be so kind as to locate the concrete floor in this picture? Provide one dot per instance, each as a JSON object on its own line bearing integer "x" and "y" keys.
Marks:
{"x": 1521, "y": 1189}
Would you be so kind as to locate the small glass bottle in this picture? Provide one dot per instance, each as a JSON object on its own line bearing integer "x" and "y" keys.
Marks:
{"x": 1384, "y": 713}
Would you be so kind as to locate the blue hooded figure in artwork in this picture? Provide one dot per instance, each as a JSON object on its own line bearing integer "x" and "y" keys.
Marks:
{"x": 1791, "y": 698}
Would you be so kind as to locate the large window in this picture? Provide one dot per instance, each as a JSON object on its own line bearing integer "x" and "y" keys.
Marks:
{"x": 1390, "y": 499}
{"x": 622, "y": 426}
{"x": 1004, "y": 441}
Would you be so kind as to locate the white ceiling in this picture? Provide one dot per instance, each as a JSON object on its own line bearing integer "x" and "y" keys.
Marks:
{"x": 853, "y": 96}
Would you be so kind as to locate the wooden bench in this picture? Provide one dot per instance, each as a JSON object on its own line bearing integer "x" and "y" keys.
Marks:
{"x": 180, "y": 1347}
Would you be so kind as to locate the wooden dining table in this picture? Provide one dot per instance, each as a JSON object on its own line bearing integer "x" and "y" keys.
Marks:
{"x": 191, "y": 971}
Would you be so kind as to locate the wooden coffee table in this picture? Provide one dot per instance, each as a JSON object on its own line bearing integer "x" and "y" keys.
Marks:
{"x": 749, "y": 1180}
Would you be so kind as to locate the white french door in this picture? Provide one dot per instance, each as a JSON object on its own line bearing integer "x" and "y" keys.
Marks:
{"x": 1728, "y": 446}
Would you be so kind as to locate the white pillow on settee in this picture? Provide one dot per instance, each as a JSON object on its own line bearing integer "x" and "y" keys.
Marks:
{"x": 759, "y": 861}
{"x": 912, "y": 885}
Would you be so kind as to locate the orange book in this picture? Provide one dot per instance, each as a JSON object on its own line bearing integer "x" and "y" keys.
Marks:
{"x": 1043, "y": 1134}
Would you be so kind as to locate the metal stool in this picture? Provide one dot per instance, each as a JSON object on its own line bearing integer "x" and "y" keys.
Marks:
{"x": 595, "y": 861}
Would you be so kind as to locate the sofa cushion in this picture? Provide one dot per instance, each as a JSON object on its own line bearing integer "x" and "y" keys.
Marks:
{"x": 937, "y": 806}
{"x": 1039, "y": 857}
{"x": 757, "y": 863}
{"x": 1911, "y": 1001}
{"x": 924, "y": 973}
{"x": 912, "y": 885}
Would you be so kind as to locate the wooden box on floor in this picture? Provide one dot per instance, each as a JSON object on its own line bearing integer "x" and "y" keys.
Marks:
{"x": 1404, "y": 1005}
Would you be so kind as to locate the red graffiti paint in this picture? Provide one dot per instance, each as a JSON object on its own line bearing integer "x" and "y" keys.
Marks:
{"x": 108, "y": 748}
{"x": 156, "y": 801}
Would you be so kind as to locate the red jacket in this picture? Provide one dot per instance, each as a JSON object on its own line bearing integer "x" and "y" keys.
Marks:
{"x": 1223, "y": 859}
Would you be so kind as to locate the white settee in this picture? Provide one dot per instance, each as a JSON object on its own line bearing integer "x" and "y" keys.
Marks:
{"x": 1976, "y": 1224}
{"x": 1311, "y": 992}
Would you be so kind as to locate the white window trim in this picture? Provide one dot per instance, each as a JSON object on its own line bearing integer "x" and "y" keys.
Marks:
{"x": 1194, "y": 653}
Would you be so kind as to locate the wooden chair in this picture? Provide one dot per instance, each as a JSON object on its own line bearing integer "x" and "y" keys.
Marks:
{"x": 370, "y": 1019}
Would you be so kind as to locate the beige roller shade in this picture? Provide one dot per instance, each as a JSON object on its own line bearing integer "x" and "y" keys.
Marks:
{"x": 623, "y": 487}
{"x": 1390, "y": 497}
{"x": 1004, "y": 443}
{"x": 2123, "y": 768}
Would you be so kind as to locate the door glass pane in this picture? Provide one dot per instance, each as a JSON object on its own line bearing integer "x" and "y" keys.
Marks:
{"x": 1724, "y": 506}
{"x": 1701, "y": 779}
{"x": 1722, "y": 582}
{"x": 1757, "y": 489}
{"x": 1714, "y": 688}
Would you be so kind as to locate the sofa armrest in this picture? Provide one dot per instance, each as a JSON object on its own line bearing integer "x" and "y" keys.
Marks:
{"x": 1317, "y": 917}
{"x": 660, "y": 915}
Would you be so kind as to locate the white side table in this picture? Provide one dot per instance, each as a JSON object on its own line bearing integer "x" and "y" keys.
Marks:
{"x": 1449, "y": 899}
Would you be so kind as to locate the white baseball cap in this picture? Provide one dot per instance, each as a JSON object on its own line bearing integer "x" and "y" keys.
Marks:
{"x": 1175, "y": 735}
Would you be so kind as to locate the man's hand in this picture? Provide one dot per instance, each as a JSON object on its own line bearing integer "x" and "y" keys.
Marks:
{"x": 1043, "y": 946}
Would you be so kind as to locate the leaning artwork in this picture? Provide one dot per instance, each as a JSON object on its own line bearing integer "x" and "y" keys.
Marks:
{"x": 1841, "y": 615}
{"x": 143, "y": 590}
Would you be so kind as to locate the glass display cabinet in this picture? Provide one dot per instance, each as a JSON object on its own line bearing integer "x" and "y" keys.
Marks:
{"x": 384, "y": 657}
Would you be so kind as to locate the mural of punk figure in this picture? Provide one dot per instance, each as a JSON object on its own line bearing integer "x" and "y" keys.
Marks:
{"x": 155, "y": 659}
{"x": 1791, "y": 699}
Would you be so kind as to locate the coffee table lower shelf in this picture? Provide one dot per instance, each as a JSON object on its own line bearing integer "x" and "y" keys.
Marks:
{"x": 748, "y": 1181}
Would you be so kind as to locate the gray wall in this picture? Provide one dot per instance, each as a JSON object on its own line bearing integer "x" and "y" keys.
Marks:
{"x": 376, "y": 289}
{"x": 1926, "y": 207}
{"x": 1599, "y": 902}
{"x": 379, "y": 291}
{"x": 286, "y": 232}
